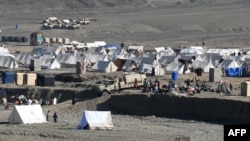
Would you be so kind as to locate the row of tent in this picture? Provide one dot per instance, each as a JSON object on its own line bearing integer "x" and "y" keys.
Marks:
{"x": 109, "y": 58}
{"x": 29, "y": 114}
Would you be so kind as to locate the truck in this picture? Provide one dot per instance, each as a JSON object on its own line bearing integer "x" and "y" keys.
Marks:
{"x": 36, "y": 38}
{"x": 127, "y": 82}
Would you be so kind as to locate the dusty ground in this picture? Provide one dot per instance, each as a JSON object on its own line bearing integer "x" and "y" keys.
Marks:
{"x": 175, "y": 23}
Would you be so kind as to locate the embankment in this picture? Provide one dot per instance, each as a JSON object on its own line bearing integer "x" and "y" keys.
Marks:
{"x": 62, "y": 94}
{"x": 203, "y": 109}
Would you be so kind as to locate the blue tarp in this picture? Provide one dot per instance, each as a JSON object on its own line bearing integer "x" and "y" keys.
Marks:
{"x": 234, "y": 72}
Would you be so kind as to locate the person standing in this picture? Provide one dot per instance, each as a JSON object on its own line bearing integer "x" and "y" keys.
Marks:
{"x": 136, "y": 84}
{"x": 48, "y": 115}
{"x": 73, "y": 99}
{"x": 55, "y": 117}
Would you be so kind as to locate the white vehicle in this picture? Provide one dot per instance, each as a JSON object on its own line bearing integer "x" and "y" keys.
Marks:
{"x": 49, "y": 19}
{"x": 84, "y": 21}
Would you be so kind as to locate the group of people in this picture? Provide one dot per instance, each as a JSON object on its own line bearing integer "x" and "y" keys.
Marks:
{"x": 55, "y": 117}
{"x": 150, "y": 86}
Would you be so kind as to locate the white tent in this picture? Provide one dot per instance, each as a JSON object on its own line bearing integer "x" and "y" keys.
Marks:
{"x": 229, "y": 64}
{"x": 96, "y": 120}
{"x": 129, "y": 65}
{"x": 222, "y": 52}
{"x": 24, "y": 58}
{"x": 3, "y": 48}
{"x": 167, "y": 52}
{"x": 165, "y": 60}
{"x": 67, "y": 59}
{"x": 105, "y": 66}
{"x": 136, "y": 48}
{"x": 205, "y": 65}
{"x": 93, "y": 58}
{"x": 147, "y": 68}
{"x": 8, "y": 62}
{"x": 192, "y": 50}
{"x": 159, "y": 49}
{"x": 27, "y": 114}
{"x": 178, "y": 67}
{"x": 50, "y": 63}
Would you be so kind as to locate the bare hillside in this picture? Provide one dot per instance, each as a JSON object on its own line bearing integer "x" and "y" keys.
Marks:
{"x": 44, "y": 5}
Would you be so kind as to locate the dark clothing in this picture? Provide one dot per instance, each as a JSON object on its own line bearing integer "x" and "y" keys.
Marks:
{"x": 55, "y": 117}
{"x": 73, "y": 100}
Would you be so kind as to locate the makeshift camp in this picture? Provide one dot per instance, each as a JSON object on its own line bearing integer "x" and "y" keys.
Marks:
{"x": 96, "y": 120}
{"x": 27, "y": 114}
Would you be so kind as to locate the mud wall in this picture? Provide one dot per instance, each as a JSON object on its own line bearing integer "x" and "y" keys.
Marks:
{"x": 209, "y": 109}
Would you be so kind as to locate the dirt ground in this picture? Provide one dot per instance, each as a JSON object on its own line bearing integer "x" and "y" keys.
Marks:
{"x": 174, "y": 23}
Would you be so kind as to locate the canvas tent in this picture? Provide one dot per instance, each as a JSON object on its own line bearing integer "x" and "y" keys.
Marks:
{"x": 192, "y": 50}
{"x": 3, "y": 48}
{"x": 176, "y": 67}
{"x": 222, "y": 52}
{"x": 50, "y": 63}
{"x": 147, "y": 68}
{"x": 27, "y": 114}
{"x": 8, "y": 62}
{"x": 204, "y": 65}
{"x": 105, "y": 66}
{"x": 129, "y": 65}
{"x": 24, "y": 58}
{"x": 96, "y": 120}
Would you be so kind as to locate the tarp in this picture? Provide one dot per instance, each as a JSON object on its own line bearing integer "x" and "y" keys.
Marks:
{"x": 96, "y": 120}
{"x": 27, "y": 114}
